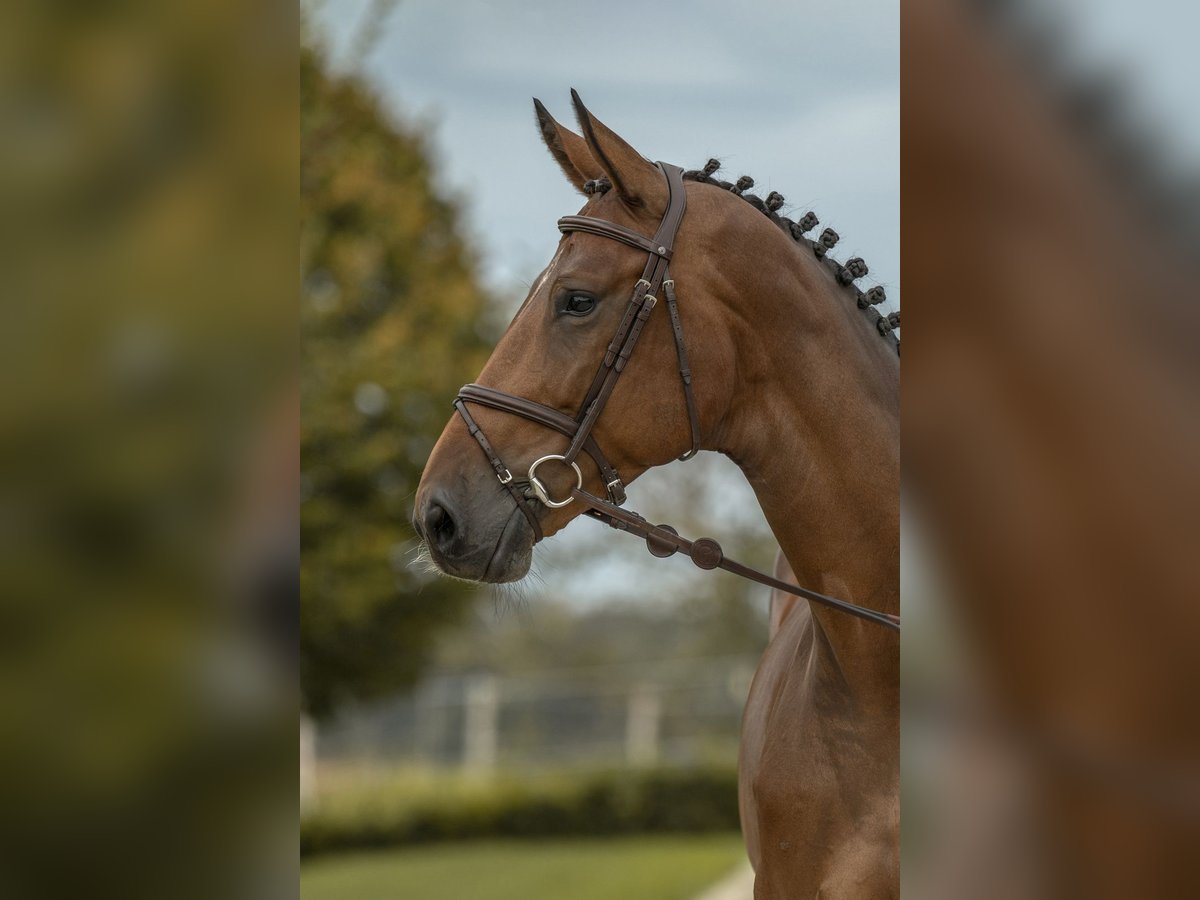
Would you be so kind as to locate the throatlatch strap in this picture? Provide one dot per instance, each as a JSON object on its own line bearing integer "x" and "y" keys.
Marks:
{"x": 685, "y": 372}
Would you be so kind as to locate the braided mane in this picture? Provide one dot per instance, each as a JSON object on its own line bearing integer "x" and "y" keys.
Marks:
{"x": 845, "y": 273}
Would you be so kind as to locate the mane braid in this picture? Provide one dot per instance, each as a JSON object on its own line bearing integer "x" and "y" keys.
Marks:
{"x": 845, "y": 275}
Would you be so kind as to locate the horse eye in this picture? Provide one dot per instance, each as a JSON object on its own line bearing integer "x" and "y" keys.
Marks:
{"x": 579, "y": 305}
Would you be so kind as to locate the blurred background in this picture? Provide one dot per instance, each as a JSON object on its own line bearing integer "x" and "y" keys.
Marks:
{"x": 148, "y": 431}
{"x": 603, "y": 696}
{"x": 1051, "y": 226}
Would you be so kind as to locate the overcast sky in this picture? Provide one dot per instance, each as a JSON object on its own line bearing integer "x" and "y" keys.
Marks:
{"x": 802, "y": 96}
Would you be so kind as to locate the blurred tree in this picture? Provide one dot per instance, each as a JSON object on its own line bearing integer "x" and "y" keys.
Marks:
{"x": 389, "y": 313}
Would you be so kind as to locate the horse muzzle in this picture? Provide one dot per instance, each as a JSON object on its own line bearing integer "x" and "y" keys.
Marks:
{"x": 477, "y": 538}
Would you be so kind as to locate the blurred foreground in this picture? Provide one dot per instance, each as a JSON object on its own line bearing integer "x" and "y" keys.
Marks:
{"x": 149, "y": 426}
{"x": 1051, "y": 440}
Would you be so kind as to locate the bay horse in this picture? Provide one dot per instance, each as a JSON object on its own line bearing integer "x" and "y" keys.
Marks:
{"x": 788, "y": 369}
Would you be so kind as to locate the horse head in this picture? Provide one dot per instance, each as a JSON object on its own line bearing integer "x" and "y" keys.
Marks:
{"x": 550, "y": 353}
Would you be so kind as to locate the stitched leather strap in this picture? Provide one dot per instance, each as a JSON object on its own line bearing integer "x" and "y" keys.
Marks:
{"x": 612, "y": 230}
{"x": 685, "y": 372}
{"x": 630, "y": 329}
{"x": 524, "y": 503}
{"x": 614, "y": 347}
{"x": 543, "y": 415}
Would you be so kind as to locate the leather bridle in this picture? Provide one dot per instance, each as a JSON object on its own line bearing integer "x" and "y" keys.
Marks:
{"x": 661, "y": 540}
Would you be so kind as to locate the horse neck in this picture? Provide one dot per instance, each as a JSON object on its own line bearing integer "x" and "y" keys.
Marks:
{"x": 814, "y": 425}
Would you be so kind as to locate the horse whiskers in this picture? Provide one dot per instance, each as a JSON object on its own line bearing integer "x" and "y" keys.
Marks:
{"x": 423, "y": 562}
{"x": 510, "y": 598}
{"x": 515, "y": 596}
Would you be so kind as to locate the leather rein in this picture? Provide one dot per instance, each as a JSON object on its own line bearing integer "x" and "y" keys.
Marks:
{"x": 661, "y": 540}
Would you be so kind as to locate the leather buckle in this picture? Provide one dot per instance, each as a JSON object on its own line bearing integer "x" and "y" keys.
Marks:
{"x": 616, "y": 491}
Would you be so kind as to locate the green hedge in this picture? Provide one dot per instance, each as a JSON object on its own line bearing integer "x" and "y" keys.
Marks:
{"x": 606, "y": 803}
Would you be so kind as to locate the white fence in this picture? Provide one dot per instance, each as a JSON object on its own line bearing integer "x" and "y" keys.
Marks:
{"x": 675, "y": 712}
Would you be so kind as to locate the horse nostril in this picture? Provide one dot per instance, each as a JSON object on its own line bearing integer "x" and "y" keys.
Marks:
{"x": 439, "y": 525}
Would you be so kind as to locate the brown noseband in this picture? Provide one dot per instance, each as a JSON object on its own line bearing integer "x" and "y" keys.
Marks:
{"x": 662, "y": 540}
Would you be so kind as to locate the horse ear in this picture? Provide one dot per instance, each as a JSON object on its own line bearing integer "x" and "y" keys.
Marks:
{"x": 568, "y": 149}
{"x": 637, "y": 180}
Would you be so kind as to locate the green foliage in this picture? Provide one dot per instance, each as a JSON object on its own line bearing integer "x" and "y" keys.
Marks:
{"x": 389, "y": 307}
{"x": 604, "y": 803}
{"x": 641, "y": 868}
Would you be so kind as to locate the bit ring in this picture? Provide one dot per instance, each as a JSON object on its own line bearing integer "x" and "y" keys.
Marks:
{"x": 540, "y": 489}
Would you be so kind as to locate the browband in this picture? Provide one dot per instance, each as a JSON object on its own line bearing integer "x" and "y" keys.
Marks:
{"x": 614, "y": 231}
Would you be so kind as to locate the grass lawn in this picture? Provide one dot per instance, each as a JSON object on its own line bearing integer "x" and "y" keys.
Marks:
{"x": 651, "y": 867}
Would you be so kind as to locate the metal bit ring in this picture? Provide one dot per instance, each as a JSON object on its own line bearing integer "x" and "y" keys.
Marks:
{"x": 540, "y": 489}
